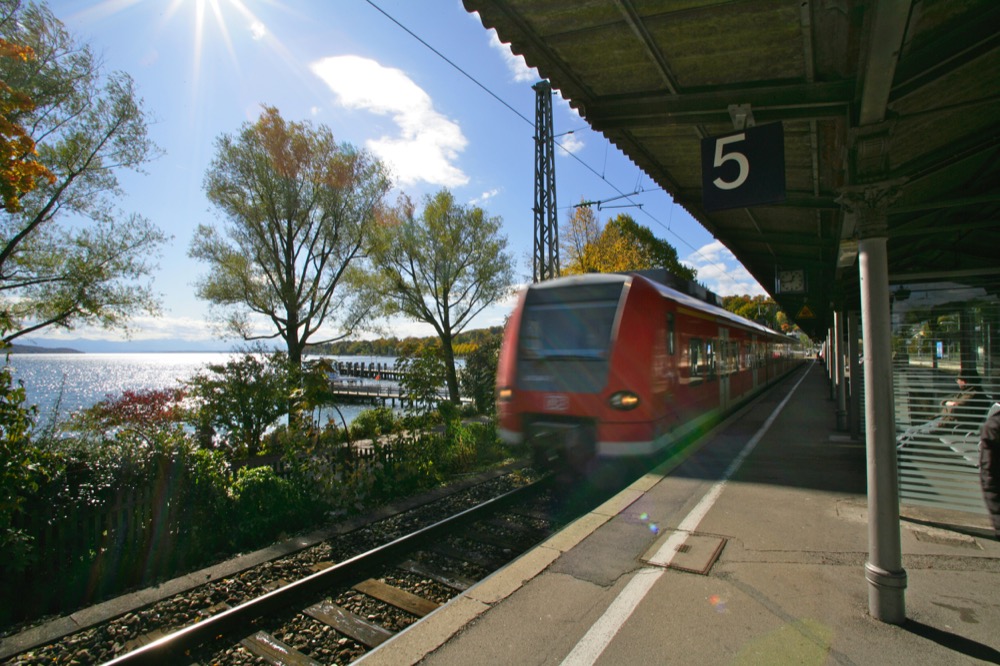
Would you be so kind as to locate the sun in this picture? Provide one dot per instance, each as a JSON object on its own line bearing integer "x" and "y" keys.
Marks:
{"x": 221, "y": 11}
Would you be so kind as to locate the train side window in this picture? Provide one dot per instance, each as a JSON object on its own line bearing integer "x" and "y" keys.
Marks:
{"x": 696, "y": 360}
{"x": 670, "y": 333}
{"x": 710, "y": 358}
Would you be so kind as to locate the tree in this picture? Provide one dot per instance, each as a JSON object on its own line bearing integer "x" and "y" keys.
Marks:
{"x": 442, "y": 268}
{"x": 298, "y": 209}
{"x": 761, "y": 309}
{"x": 479, "y": 377}
{"x": 85, "y": 128}
{"x": 578, "y": 240}
{"x": 242, "y": 398}
{"x": 623, "y": 245}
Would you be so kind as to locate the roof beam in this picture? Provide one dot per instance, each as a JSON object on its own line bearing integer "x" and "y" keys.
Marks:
{"x": 884, "y": 45}
{"x": 648, "y": 43}
{"x": 782, "y": 102}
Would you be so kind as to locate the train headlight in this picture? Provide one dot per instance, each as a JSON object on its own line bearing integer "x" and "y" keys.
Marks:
{"x": 505, "y": 394}
{"x": 624, "y": 400}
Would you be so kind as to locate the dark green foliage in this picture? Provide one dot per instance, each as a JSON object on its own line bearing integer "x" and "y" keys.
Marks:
{"x": 761, "y": 309}
{"x": 654, "y": 252}
{"x": 22, "y": 469}
{"x": 264, "y": 505}
{"x": 479, "y": 377}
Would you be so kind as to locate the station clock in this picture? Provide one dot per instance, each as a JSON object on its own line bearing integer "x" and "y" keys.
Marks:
{"x": 792, "y": 281}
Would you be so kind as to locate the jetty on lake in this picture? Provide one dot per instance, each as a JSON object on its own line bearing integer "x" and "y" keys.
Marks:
{"x": 369, "y": 383}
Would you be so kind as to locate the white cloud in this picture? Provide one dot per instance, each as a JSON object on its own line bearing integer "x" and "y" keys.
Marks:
{"x": 258, "y": 31}
{"x": 484, "y": 197}
{"x": 719, "y": 270}
{"x": 428, "y": 142}
{"x": 518, "y": 68}
{"x": 568, "y": 143}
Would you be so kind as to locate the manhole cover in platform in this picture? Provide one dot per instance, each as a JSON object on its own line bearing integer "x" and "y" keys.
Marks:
{"x": 695, "y": 553}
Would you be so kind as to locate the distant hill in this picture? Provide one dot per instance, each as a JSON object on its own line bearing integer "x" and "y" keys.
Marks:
{"x": 95, "y": 346}
{"x": 36, "y": 349}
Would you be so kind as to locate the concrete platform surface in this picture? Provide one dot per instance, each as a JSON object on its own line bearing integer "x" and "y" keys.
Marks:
{"x": 782, "y": 545}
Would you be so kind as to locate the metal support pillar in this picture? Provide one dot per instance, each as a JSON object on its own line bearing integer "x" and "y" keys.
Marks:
{"x": 884, "y": 568}
{"x": 831, "y": 362}
{"x": 854, "y": 403}
{"x": 546, "y": 240}
{"x": 840, "y": 381}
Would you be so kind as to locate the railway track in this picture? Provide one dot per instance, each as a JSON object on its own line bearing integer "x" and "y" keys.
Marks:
{"x": 345, "y": 609}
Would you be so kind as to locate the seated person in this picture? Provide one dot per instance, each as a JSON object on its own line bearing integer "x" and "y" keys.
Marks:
{"x": 966, "y": 406}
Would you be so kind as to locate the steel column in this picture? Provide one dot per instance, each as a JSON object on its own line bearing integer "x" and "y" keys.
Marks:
{"x": 884, "y": 568}
{"x": 840, "y": 381}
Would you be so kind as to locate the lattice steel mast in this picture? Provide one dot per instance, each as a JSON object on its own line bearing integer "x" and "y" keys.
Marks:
{"x": 546, "y": 242}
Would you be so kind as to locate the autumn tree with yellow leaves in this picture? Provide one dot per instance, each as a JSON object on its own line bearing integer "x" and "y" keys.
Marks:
{"x": 19, "y": 165}
{"x": 621, "y": 246}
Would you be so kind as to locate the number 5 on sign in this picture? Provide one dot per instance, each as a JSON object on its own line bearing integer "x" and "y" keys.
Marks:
{"x": 739, "y": 158}
{"x": 742, "y": 169}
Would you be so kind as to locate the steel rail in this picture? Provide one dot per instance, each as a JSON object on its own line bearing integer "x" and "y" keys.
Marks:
{"x": 168, "y": 649}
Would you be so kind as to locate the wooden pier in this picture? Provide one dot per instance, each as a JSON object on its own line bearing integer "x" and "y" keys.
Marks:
{"x": 348, "y": 386}
{"x": 374, "y": 394}
{"x": 358, "y": 369}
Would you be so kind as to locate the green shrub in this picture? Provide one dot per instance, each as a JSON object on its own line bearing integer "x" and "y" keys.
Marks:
{"x": 372, "y": 423}
{"x": 240, "y": 399}
{"x": 479, "y": 377}
{"x": 471, "y": 446}
{"x": 264, "y": 506}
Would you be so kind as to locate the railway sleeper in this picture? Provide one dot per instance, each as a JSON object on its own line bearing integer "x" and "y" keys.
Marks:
{"x": 270, "y": 649}
{"x": 480, "y": 559}
{"x": 394, "y": 596}
{"x": 449, "y": 579}
{"x": 349, "y": 624}
{"x": 506, "y": 541}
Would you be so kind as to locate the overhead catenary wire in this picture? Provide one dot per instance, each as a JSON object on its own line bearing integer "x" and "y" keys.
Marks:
{"x": 520, "y": 115}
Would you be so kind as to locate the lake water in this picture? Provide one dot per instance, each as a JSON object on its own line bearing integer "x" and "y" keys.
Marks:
{"x": 70, "y": 382}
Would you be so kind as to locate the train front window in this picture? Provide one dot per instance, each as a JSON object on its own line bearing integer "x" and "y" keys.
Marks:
{"x": 570, "y": 331}
{"x": 566, "y": 336}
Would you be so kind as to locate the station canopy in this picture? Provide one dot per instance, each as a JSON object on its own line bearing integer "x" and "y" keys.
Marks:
{"x": 895, "y": 96}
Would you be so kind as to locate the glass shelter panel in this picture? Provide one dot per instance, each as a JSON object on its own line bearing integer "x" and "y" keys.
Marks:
{"x": 945, "y": 351}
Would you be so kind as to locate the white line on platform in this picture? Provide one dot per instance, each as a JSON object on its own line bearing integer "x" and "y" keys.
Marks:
{"x": 604, "y": 630}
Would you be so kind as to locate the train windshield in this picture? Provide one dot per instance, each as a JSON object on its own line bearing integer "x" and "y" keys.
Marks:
{"x": 566, "y": 336}
{"x": 570, "y": 331}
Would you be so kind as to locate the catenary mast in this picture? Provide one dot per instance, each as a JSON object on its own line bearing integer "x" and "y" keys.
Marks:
{"x": 546, "y": 239}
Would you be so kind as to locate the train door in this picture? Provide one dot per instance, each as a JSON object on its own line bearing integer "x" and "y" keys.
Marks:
{"x": 725, "y": 368}
{"x": 754, "y": 362}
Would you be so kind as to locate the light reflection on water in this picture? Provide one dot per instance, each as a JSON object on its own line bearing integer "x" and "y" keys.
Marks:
{"x": 77, "y": 381}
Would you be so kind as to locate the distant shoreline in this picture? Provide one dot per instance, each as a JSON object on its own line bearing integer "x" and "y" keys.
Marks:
{"x": 35, "y": 349}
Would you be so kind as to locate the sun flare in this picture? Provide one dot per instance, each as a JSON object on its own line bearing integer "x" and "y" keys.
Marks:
{"x": 222, "y": 12}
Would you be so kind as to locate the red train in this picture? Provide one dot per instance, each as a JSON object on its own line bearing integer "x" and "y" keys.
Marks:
{"x": 619, "y": 365}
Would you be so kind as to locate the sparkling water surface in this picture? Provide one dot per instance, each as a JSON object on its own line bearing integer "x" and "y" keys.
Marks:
{"x": 60, "y": 384}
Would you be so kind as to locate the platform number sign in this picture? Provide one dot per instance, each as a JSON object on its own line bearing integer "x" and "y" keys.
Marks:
{"x": 744, "y": 168}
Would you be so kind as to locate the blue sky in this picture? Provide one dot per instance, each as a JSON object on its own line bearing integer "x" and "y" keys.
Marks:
{"x": 204, "y": 67}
